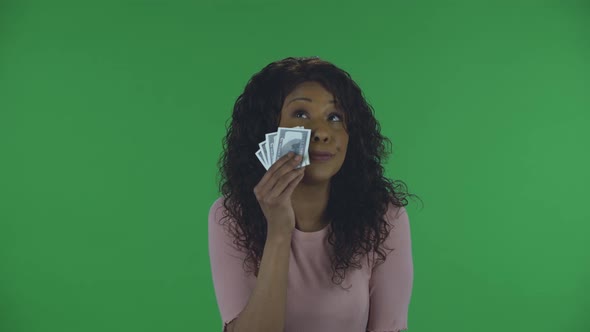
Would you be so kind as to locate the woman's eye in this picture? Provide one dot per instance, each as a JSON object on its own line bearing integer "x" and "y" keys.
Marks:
{"x": 299, "y": 112}
{"x": 338, "y": 115}
{"x": 331, "y": 115}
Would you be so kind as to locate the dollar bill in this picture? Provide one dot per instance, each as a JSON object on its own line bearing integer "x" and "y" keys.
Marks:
{"x": 260, "y": 157}
{"x": 264, "y": 150}
{"x": 295, "y": 139}
{"x": 270, "y": 146}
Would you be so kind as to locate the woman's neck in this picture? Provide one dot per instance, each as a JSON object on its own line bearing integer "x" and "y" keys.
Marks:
{"x": 310, "y": 202}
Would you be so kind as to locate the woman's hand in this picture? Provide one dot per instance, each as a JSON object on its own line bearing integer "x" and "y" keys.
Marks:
{"x": 273, "y": 193}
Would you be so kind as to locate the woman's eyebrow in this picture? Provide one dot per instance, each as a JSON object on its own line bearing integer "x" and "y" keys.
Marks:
{"x": 309, "y": 100}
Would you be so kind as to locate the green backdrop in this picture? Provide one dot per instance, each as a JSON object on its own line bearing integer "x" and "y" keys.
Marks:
{"x": 112, "y": 115}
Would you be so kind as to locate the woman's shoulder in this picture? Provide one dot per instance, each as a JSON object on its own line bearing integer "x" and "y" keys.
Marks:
{"x": 218, "y": 202}
{"x": 217, "y": 210}
{"x": 219, "y": 224}
{"x": 395, "y": 213}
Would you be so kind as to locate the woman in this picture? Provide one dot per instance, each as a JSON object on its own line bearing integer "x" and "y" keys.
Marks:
{"x": 294, "y": 236}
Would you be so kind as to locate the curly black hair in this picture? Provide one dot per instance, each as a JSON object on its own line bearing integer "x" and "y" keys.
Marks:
{"x": 359, "y": 193}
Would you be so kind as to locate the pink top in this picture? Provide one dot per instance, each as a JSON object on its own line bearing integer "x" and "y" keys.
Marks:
{"x": 378, "y": 300}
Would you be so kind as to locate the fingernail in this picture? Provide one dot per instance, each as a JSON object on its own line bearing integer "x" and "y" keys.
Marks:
{"x": 297, "y": 158}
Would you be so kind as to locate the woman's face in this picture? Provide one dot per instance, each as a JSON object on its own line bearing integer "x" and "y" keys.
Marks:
{"x": 318, "y": 112}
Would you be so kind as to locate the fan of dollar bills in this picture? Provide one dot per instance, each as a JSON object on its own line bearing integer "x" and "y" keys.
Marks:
{"x": 283, "y": 141}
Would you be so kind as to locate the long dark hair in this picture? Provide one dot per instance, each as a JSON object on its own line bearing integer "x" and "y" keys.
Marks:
{"x": 359, "y": 193}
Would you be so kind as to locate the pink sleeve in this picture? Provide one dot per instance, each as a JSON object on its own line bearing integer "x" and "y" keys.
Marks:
{"x": 390, "y": 286}
{"x": 229, "y": 279}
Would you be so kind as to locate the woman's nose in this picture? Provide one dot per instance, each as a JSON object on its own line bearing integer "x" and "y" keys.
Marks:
{"x": 320, "y": 132}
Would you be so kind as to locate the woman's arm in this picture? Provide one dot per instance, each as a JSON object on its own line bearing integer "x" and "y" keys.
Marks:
{"x": 265, "y": 311}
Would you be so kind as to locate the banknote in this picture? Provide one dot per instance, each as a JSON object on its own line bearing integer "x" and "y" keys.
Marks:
{"x": 265, "y": 155}
{"x": 293, "y": 140}
{"x": 281, "y": 142}
{"x": 261, "y": 158}
{"x": 270, "y": 146}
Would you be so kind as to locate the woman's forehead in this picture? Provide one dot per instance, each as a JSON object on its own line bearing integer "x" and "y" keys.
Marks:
{"x": 312, "y": 92}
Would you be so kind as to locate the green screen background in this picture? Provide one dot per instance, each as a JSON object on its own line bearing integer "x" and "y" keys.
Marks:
{"x": 112, "y": 115}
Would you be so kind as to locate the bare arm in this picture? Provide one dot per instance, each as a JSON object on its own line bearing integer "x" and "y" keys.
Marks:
{"x": 265, "y": 311}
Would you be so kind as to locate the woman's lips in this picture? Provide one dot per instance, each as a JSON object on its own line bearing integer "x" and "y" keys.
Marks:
{"x": 320, "y": 157}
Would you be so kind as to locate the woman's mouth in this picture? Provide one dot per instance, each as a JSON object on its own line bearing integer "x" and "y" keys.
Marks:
{"x": 320, "y": 156}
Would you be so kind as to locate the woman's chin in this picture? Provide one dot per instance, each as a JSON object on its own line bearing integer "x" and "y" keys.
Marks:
{"x": 313, "y": 176}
